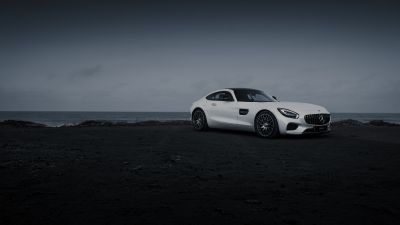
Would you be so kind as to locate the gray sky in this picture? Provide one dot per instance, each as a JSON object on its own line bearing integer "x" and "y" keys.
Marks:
{"x": 155, "y": 56}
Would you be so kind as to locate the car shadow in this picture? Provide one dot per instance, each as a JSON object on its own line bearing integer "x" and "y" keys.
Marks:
{"x": 233, "y": 132}
{"x": 280, "y": 137}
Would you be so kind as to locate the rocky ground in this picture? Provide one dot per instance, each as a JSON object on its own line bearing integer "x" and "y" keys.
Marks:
{"x": 170, "y": 174}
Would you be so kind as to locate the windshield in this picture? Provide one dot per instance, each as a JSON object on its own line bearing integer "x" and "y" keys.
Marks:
{"x": 250, "y": 95}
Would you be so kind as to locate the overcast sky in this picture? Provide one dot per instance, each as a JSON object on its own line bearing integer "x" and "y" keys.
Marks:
{"x": 161, "y": 56}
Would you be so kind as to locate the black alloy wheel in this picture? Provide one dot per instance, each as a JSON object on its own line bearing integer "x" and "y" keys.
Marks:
{"x": 266, "y": 125}
{"x": 199, "y": 120}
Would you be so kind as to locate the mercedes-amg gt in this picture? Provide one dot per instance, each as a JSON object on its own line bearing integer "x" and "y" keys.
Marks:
{"x": 253, "y": 110}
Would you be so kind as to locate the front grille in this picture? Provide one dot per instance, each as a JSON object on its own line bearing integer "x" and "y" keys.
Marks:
{"x": 317, "y": 119}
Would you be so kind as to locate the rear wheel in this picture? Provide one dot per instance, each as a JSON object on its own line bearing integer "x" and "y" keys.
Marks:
{"x": 199, "y": 120}
{"x": 266, "y": 125}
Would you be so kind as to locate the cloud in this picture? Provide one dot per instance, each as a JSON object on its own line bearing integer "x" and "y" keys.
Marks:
{"x": 89, "y": 71}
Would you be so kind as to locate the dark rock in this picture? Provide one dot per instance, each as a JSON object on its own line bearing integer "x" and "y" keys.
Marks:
{"x": 156, "y": 122}
{"x": 348, "y": 122}
{"x": 95, "y": 123}
{"x": 20, "y": 123}
{"x": 351, "y": 122}
{"x": 381, "y": 123}
{"x": 105, "y": 123}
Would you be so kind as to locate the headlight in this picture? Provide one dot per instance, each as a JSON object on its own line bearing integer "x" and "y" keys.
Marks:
{"x": 288, "y": 113}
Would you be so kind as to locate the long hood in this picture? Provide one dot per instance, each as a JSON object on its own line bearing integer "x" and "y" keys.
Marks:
{"x": 301, "y": 108}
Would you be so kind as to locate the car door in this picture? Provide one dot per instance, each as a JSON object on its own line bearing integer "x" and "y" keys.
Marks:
{"x": 221, "y": 110}
{"x": 246, "y": 110}
{"x": 245, "y": 116}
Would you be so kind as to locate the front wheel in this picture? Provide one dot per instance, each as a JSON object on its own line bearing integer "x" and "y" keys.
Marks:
{"x": 199, "y": 120}
{"x": 266, "y": 125}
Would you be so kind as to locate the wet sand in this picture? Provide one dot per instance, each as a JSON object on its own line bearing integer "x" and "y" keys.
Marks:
{"x": 171, "y": 174}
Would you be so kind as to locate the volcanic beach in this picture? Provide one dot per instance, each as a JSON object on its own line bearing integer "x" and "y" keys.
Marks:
{"x": 167, "y": 173}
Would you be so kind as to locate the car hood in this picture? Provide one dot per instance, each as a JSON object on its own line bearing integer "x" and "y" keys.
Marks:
{"x": 301, "y": 108}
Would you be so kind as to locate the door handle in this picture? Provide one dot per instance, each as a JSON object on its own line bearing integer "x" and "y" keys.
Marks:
{"x": 213, "y": 104}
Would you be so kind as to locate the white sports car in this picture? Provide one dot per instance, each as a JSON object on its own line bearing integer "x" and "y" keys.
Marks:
{"x": 253, "y": 110}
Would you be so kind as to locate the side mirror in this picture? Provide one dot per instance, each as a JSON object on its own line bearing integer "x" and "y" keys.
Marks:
{"x": 275, "y": 98}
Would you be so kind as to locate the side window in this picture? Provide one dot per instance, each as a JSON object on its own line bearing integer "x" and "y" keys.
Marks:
{"x": 223, "y": 96}
{"x": 211, "y": 96}
{"x": 220, "y": 96}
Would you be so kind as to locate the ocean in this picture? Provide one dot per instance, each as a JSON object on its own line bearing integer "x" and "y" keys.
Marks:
{"x": 55, "y": 119}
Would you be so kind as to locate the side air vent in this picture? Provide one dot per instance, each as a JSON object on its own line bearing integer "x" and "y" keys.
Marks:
{"x": 292, "y": 126}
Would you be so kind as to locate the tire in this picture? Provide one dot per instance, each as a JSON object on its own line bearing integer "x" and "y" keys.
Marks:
{"x": 199, "y": 120}
{"x": 266, "y": 125}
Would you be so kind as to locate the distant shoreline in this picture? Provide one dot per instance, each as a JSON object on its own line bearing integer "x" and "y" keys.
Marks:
{"x": 107, "y": 123}
{"x": 62, "y": 119}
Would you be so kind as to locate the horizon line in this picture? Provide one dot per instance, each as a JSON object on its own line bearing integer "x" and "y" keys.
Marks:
{"x": 107, "y": 111}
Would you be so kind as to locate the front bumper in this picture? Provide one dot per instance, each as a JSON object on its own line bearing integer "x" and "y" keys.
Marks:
{"x": 310, "y": 129}
{"x": 320, "y": 129}
{"x": 300, "y": 126}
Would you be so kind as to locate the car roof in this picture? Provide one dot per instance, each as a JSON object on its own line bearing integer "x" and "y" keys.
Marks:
{"x": 231, "y": 89}
{"x": 241, "y": 89}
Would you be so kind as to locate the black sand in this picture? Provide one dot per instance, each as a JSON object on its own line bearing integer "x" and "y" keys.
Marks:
{"x": 174, "y": 175}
